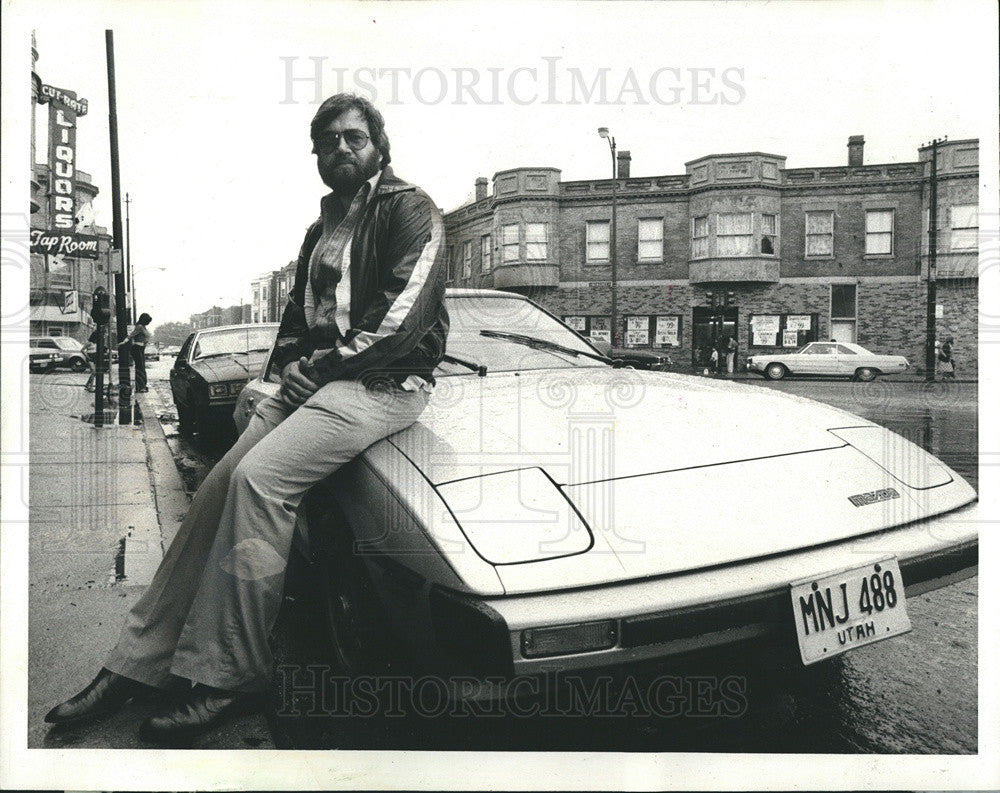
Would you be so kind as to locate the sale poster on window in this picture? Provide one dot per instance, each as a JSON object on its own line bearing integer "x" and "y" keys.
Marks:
{"x": 578, "y": 324}
{"x": 667, "y": 331}
{"x": 600, "y": 329}
{"x": 637, "y": 331}
{"x": 790, "y": 338}
{"x": 797, "y": 322}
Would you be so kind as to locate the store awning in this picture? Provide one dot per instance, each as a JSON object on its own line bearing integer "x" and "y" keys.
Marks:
{"x": 54, "y": 314}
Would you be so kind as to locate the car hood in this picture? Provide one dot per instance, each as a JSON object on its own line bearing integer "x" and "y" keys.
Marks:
{"x": 238, "y": 366}
{"x": 586, "y": 425}
{"x": 659, "y": 474}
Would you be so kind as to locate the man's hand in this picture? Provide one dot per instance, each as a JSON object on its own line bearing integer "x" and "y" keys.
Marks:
{"x": 296, "y": 387}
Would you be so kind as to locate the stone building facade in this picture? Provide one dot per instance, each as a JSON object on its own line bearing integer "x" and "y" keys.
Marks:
{"x": 738, "y": 245}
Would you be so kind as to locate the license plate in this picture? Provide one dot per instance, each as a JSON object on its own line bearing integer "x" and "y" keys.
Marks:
{"x": 850, "y": 608}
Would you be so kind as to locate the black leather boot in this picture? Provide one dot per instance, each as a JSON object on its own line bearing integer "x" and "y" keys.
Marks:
{"x": 203, "y": 709}
{"x": 106, "y": 693}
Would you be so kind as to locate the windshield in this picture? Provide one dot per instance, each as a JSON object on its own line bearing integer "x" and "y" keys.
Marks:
{"x": 68, "y": 343}
{"x": 235, "y": 340}
{"x": 468, "y": 316}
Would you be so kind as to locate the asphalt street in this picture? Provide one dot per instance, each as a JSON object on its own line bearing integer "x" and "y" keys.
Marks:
{"x": 916, "y": 693}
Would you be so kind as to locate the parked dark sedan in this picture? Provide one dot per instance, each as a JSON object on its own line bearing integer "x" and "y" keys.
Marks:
{"x": 211, "y": 369}
{"x": 636, "y": 357}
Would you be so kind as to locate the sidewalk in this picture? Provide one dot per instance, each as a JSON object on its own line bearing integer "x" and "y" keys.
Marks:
{"x": 104, "y": 504}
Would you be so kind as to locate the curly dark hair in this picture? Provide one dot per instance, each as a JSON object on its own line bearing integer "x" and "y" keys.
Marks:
{"x": 341, "y": 103}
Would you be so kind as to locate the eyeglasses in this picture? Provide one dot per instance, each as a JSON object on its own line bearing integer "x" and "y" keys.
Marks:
{"x": 330, "y": 142}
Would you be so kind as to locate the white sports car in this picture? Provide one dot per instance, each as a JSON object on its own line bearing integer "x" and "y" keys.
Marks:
{"x": 548, "y": 512}
{"x": 827, "y": 358}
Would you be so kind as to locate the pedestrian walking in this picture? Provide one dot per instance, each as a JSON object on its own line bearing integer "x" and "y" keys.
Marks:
{"x": 946, "y": 360}
{"x": 137, "y": 341}
{"x": 360, "y": 336}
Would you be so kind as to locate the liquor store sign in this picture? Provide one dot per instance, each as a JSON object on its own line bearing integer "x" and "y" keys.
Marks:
{"x": 64, "y": 109}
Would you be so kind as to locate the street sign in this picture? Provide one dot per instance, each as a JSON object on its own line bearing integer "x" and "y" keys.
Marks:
{"x": 70, "y": 302}
{"x": 115, "y": 257}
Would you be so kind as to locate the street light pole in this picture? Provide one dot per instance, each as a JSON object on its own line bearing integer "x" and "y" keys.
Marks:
{"x": 930, "y": 354}
{"x": 604, "y": 133}
{"x": 130, "y": 276}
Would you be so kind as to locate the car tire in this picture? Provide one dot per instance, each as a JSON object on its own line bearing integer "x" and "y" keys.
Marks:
{"x": 775, "y": 371}
{"x": 185, "y": 421}
{"x": 866, "y": 374}
{"x": 352, "y": 619}
{"x": 215, "y": 427}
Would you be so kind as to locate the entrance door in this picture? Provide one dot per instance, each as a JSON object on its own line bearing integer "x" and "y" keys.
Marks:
{"x": 843, "y": 330}
{"x": 708, "y": 331}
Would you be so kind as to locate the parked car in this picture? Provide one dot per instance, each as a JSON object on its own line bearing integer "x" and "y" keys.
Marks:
{"x": 829, "y": 359}
{"x": 551, "y": 512}
{"x": 151, "y": 353}
{"x": 211, "y": 368}
{"x": 43, "y": 360}
{"x": 170, "y": 349}
{"x": 638, "y": 358}
{"x": 68, "y": 353}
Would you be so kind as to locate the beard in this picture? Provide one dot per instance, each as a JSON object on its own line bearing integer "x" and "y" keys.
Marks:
{"x": 346, "y": 175}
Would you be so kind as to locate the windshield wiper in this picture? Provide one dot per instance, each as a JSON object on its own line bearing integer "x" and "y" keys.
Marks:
{"x": 221, "y": 354}
{"x": 542, "y": 344}
{"x": 478, "y": 368}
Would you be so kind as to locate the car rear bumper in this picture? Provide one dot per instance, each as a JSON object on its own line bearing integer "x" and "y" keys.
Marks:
{"x": 672, "y": 615}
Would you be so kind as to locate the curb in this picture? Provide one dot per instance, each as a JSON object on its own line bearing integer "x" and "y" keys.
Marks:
{"x": 168, "y": 488}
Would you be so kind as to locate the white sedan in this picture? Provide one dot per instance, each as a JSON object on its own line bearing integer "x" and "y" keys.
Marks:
{"x": 553, "y": 511}
{"x": 830, "y": 359}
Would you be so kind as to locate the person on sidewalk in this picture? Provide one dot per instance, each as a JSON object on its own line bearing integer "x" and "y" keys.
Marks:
{"x": 946, "y": 361}
{"x": 360, "y": 336}
{"x": 138, "y": 339}
{"x": 730, "y": 354}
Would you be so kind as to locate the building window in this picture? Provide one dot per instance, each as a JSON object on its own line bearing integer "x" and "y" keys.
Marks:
{"x": 769, "y": 234}
{"x": 965, "y": 227}
{"x": 843, "y": 301}
{"x": 878, "y": 232}
{"x": 734, "y": 236}
{"x": 650, "y": 239}
{"x": 510, "y": 242}
{"x": 536, "y": 239}
{"x": 594, "y": 328}
{"x": 467, "y": 260}
{"x": 450, "y": 261}
{"x": 699, "y": 237}
{"x": 486, "y": 249}
{"x": 598, "y": 240}
{"x": 284, "y": 289}
{"x": 819, "y": 234}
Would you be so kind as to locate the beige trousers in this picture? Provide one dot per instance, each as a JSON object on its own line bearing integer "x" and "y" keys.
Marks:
{"x": 209, "y": 610}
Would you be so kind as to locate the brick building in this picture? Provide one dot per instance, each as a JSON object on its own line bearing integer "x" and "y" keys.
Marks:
{"x": 738, "y": 245}
{"x": 61, "y": 287}
{"x": 217, "y": 316}
{"x": 270, "y": 293}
